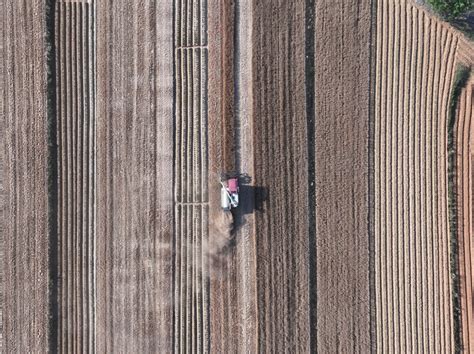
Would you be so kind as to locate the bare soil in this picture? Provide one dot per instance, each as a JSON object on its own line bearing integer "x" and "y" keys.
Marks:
{"x": 416, "y": 58}
{"x": 337, "y": 125}
{"x": 25, "y": 208}
{"x": 342, "y": 94}
{"x": 134, "y": 205}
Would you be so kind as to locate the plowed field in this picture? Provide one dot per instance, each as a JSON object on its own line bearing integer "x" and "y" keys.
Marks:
{"x": 416, "y": 59}
{"x": 355, "y": 228}
{"x": 25, "y": 206}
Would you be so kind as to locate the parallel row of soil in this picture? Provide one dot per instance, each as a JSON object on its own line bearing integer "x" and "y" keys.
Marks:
{"x": 76, "y": 90}
{"x": 25, "y": 209}
{"x": 342, "y": 94}
{"x": 191, "y": 282}
{"x": 135, "y": 209}
{"x": 415, "y": 62}
{"x": 281, "y": 176}
{"x": 463, "y": 189}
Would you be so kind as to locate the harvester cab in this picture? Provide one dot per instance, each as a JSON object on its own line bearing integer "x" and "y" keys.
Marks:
{"x": 229, "y": 193}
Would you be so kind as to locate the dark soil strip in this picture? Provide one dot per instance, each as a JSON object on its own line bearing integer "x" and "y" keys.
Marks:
{"x": 371, "y": 175}
{"x": 460, "y": 80}
{"x": 52, "y": 177}
{"x": 310, "y": 116}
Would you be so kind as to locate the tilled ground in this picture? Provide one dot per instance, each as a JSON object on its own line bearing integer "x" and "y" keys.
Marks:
{"x": 135, "y": 223}
{"x": 280, "y": 169}
{"x": 416, "y": 59}
{"x": 24, "y": 203}
{"x": 334, "y": 246}
{"x": 341, "y": 143}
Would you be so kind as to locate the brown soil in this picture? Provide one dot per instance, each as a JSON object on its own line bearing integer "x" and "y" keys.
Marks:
{"x": 24, "y": 202}
{"x": 342, "y": 94}
{"x": 335, "y": 246}
{"x": 416, "y": 58}
{"x": 280, "y": 169}
{"x": 135, "y": 213}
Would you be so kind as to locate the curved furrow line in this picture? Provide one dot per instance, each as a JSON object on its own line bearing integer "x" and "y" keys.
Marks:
{"x": 85, "y": 185}
{"x": 74, "y": 128}
{"x": 383, "y": 178}
{"x": 68, "y": 311}
{"x": 406, "y": 232}
{"x": 427, "y": 182}
{"x": 410, "y": 176}
{"x": 443, "y": 237}
{"x": 446, "y": 39}
{"x": 446, "y": 246}
{"x": 416, "y": 178}
{"x": 401, "y": 140}
{"x": 79, "y": 173}
{"x": 377, "y": 180}
{"x": 387, "y": 179}
{"x": 441, "y": 188}
{"x": 393, "y": 179}
{"x": 422, "y": 183}
{"x": 434, "y": 188}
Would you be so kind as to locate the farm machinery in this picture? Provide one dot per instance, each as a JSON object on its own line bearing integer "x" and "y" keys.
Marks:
{"x": 229, "y": 192}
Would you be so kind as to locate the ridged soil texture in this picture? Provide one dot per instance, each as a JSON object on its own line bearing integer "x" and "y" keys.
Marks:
{"x": 76, "y": 115}
{"x": 24, "y": 204}
{"x": 191, "y": 294}
{"x": 415, "y": 62}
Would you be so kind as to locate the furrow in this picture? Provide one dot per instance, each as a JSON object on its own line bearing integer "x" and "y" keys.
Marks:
{"x": 377, "y": 166}
{"x": 434, "y": 188}
{"x": 405, "y": 232}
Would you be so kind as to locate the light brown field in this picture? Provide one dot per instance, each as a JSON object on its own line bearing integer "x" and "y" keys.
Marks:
{"x": 416, "y": 59}
{"x": 112, "y": 235}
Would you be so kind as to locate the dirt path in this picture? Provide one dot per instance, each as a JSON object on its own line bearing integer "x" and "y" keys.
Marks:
{"x": 135, "y": 213}
{"x": 24, "y": 224}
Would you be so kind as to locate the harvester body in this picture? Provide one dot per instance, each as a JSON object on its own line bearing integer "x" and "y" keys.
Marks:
{"x": 230, "y": 193}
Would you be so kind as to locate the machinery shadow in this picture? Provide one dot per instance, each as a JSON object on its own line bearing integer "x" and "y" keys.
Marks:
{"x": 251, "y": 198}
